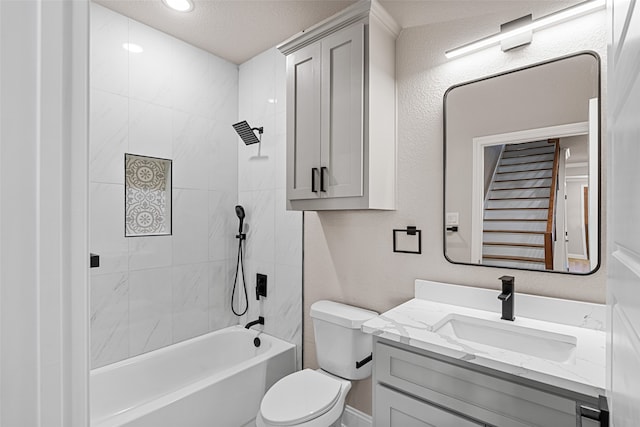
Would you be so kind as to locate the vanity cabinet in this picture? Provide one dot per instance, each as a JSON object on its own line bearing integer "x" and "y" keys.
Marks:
{"x": 413, "y": 387}
{"x": 396, "y": 409}
{"x": 341, "y": 150}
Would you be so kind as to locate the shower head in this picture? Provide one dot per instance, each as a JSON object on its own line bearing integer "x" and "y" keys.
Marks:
{"x": 240, "y": 215}
{"x": 246, "y": 132}
{"x": 240, "y": 212}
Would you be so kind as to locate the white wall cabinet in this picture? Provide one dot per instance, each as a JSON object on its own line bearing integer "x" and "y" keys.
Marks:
{"x": 341, "y": 138}
{"x": 418, "y": 388}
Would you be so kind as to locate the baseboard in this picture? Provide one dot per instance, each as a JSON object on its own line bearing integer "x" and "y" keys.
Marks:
{"x": 351, "y": 417}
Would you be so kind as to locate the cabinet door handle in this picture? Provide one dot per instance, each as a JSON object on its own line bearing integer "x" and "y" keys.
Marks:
{"x": 313, "y": 179}
{"x": 322, "y": 170}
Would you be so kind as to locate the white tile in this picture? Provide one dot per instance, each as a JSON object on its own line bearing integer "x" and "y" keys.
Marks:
{"x": 109, "y": 319}
{"x": 109, "y": 61}
{"x": 190, "y": 226}
{"x": 150, "y": 310}
{"x": 106, "y": 227}
{"x": 190, "y": 301}
{"x": 245, "y": 172}
{"x": 150, "y": 130}
{"x": 150, "y": 71}
{"x": 192, "y": 150}
{"x": 150, "y": 252}
{"x": 223, "y": 169}
{"x": 264, "y": 85}
{"x": 281, "y": 82}
{"x": 192, "y": 82}
{"x": 225, "y": 142}
{"x": 109, "y": 120}
{"x": 223, "y": 226}
{"x": 288, "y": 233}
{"x": 221, "y": 275}
{"x": 225, "y": 88}
{"x": 246, "y": 76}
{"x": 288, "y": 303}
{"x": 261, "y": 227}
{"x": 280, "y": 176}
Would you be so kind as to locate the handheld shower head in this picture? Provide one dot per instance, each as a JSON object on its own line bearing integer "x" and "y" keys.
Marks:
{"x": 240, "y": 214}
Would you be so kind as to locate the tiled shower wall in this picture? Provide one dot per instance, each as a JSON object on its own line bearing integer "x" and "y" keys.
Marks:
{"x": 274, "y": 237}
{"x": 171, "y": 101}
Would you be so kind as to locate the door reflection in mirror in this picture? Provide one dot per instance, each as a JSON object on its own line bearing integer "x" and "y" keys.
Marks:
{"x": 522, "y": 167}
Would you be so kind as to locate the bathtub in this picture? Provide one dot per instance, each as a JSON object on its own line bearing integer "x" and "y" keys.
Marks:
{"x": 215, "y": 380}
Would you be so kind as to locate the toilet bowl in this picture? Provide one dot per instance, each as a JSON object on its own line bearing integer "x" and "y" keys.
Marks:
{"x": 306, "y": 398}
{"x": 311, "y": 398}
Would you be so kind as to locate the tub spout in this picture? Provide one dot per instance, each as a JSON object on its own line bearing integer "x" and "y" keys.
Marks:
{"x": 260, "y": 321}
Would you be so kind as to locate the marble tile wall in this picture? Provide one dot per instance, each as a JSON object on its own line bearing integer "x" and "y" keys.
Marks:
{"x": 171, "y": 101}
{"x": 274, "y": 235}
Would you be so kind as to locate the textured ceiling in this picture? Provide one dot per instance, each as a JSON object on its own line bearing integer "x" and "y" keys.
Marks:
{"x": 237, "y": 30}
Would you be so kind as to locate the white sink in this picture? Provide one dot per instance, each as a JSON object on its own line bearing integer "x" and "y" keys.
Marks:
{"x": 505, "y": 335}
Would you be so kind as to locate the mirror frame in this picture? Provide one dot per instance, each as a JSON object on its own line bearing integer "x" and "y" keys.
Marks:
{"x": 599, "y": 148}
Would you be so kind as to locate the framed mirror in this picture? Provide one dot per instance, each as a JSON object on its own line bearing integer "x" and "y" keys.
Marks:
{"x": 522, "y": 168}
{"x": 147, "y": 196}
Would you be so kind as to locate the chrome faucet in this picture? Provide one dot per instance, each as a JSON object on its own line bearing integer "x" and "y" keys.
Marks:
{"x": 507, "y": 297}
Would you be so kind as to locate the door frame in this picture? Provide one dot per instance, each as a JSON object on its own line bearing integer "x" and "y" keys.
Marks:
{"x": 480, "y": 143}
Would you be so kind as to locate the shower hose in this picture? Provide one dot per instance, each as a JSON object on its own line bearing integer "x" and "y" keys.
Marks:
{"x": 240, "y": 268}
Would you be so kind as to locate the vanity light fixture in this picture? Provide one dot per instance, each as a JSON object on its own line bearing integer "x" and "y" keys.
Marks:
{"x": 518, "y": 29}
{"x": 179, "y": 5}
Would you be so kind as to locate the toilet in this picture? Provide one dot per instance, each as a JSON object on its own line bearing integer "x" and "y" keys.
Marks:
{"x": 315, "y": 398}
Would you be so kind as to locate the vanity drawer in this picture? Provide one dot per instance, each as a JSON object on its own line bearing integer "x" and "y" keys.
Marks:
{"x": 395, "y": 409}
{"x": 477, "y": 395}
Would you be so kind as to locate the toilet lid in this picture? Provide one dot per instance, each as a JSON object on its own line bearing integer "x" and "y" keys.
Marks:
{"x": 299, "y": 397}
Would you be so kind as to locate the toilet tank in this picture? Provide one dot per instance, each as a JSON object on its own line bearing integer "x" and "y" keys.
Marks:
{"x": 339, "y": 341}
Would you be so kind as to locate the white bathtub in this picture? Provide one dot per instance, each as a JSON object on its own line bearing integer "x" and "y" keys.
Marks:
{"x": 215, "y": 380}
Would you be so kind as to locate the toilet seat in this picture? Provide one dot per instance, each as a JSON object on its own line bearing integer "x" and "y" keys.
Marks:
{"x": 300, "y": 397}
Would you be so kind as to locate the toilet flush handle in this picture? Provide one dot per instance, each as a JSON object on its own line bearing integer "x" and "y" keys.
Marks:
{"x": 364, "y": 361}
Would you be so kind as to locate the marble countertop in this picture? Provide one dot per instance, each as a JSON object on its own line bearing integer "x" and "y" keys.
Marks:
{"x": 413, "y": 324}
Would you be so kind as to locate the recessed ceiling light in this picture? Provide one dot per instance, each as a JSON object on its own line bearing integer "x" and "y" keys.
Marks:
{"x": 179, "y": 5}
{"x": 132, "y": 47}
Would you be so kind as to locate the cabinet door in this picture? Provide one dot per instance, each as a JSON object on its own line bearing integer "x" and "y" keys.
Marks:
{"x": 342, "y": 113}
{"x": 394, "y": 409}
{"x": 303, "y": 123}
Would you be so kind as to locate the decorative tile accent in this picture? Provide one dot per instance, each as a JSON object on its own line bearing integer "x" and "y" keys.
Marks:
{"x": 148, "y": 196}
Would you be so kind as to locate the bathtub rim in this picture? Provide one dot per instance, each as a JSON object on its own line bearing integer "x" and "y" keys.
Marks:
{"x": 178, "y": 345}
{"x": 128, "y": 414}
